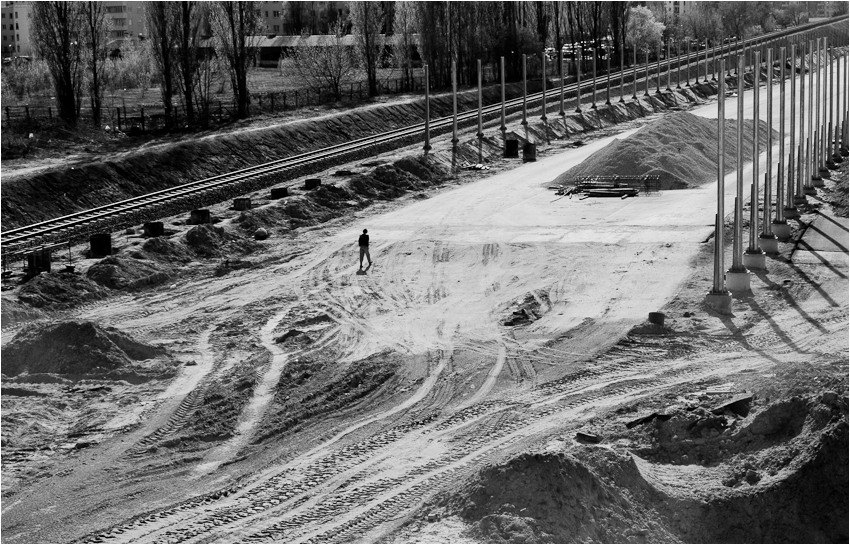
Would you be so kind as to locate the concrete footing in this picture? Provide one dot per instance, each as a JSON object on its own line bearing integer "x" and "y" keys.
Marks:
{"x": 312, "y": 183}
{"x": 800, "y": 200}
{"x": 279, "y": 193}
{"x": 153, "y": 229}
{"x": 511, "y": 148}
{"x": 529, "y": 152}
{"x": 242, "y": 203}
{"x": 198, "y": 217}
{"x": 791, "y": 212}
{"x": 810, "y": 190}
{"x": 720, "y": 302}
{"x": 738, "y": 281}
{"x": 754, "y": 260}
{"x": 38, "y": 262}
{"x": 769, "y": 244}
{"x": 781, "y": 230}
{"x": 100, "y": 244}
{"x": 817, "y": 182}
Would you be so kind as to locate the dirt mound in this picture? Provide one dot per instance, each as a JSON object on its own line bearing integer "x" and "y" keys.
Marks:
{"x": 165, "y": 250}
{"x": 126, "y": 273}
{"x": 79, "y": 349}
{"x": 557, "y": 498}
{"x": 58, "y": 290}
{"x": 681, "y": 148}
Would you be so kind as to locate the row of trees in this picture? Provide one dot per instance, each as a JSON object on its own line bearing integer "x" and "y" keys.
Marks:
{"x": 71, "y": 39}
{"x": 190, "y": 42}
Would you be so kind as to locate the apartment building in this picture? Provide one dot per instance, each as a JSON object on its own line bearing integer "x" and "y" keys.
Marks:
{"x": 16, "y": 20}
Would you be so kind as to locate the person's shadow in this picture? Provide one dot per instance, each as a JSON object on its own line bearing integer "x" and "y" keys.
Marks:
{"x": 364, "y": 271}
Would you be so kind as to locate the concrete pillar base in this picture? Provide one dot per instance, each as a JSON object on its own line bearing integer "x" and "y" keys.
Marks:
{"x": 781, "y": 230}
{"x": 720, "y": 302}
{"x": 768, "y": 243}
{"x": 824, "y": 172}
{"x": 791, "y": 212}
{"x": 738, "y": 281}
{"x": 810, "y": 190}
{"x": 800, "y": 200}
{"x": 817, "y": 182}
{"x": 830, "y": 165}
{"x": 754, "y": 260}
{"x": 837, "y": 158}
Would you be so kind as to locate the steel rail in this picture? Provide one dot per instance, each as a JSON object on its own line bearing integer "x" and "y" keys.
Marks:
{"x": 18, "y": 237}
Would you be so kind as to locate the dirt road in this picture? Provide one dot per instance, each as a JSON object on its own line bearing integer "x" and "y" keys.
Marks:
{"x": 477, "y": 381}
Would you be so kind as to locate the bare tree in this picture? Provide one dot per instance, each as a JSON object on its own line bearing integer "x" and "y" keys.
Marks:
{"x": 236, "y": 25}
{"x": 187, "y": 23}
{"x": 368, "y": 20}
{"x": 94, "y": 34}
{"x": 644, "y": 32}
{"x": 160, "y": 20}
{"x": 404, "y": 31}
{"x": 329, "y": 63}
{"x": 55, "y": 28}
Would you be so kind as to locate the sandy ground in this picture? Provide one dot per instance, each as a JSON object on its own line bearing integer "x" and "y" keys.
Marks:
{"x": 469, "y": 392}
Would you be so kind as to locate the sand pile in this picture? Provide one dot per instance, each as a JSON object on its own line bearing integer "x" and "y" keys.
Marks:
{"x": 57, "y": 290}
{"x": 80, "y": 349}
{"x": 681, "y": 148}
{"x": 126, "y": 273}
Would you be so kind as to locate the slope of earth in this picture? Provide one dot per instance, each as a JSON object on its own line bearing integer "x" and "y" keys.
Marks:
{"x": 317, "y": 404}
{"x": 681, "y": 149}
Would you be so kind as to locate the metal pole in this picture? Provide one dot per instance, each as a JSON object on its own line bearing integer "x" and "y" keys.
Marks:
{"x": 593, "y": 90}
{"x": 646, "y": 72}
{"x": 737, "y": 242}
{"x": 561, "y": 71}
{"x": 767, "y": 232}
{"x": 454, "y": 103}
{"x": 668, "y": 66}
{"x": 816, "y": 148}
{"x": 608, "y": 75}
{"x": 543, "y": 95}
{"x": 823, "y": 126}
{"x": 503, "y": 128}
{"x": 524, "y": 94}
{"x": 634, "y": 75}
{"x": 780, "y": 175}
{"x": 688, "y": 66}
{"x": 622, "y": 54}
{"x": 678, "y": 65}
{"x": 480, "y": 103}
{"x": 719, "y": 280}
{"x": 844, "y": 110}
{"x": 427, "y": 146}
{"x": 658, "y": 71}
{"x": 578, "y": 78}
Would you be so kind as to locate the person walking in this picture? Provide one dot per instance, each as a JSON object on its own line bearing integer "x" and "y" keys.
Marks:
{"x": 363, "y": 242}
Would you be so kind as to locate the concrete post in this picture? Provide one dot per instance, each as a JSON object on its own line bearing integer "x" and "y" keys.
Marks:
{"x": 668, "y": 66}
{"x": 844, "y": 110}
{"x": 646, "y": 72}
{"x": 737, "y": 277}
{"x": 543, "y": 95}
{"x": 780, "y": 226}
{"x": 719, "y": 299}
{"x": 754, "y": 257}
{"x": 833, "y": 156}
{"x": 799, "y": 198}
{"x": 454, "y": 104}
{"x": 502, "y": 127}
{"x": 825, "y": 101}
{"x": 816, "y": 146}
{"x": 810, "y": 136}
{"x": 427, "y": 146}
{"x": 688, "y": 66}
{"x": 767, "y": 240}
{"x": 790, "y": 211}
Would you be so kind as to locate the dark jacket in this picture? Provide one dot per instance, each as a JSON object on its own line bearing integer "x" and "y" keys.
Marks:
{"x": 363, "y": 240}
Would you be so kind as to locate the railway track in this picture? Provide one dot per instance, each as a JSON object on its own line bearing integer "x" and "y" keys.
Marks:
{"x": 55, "y": 232}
